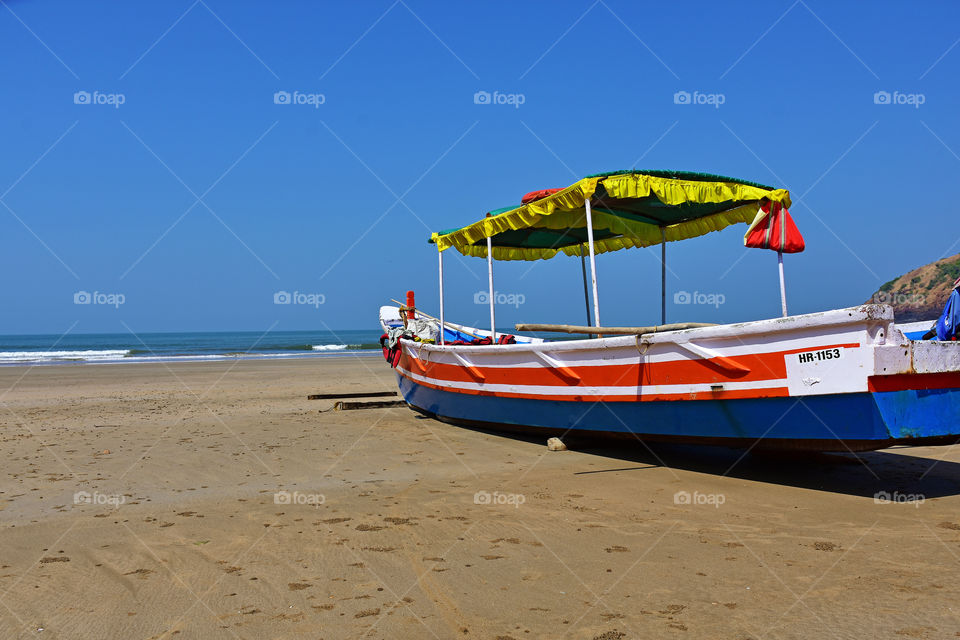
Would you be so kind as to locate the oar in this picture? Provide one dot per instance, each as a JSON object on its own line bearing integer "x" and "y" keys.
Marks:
{"x": 446, "y": 324}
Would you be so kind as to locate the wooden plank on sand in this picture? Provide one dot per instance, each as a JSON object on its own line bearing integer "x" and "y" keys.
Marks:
{"x": 337, "y": 396}
{"x": 383, "y": 404}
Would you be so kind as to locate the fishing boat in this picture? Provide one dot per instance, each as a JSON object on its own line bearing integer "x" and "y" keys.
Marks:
{"x": 839, "y": 380}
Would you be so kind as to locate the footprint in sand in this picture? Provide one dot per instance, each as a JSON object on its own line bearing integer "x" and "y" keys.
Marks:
{"x": 673, "y": 609}
{"x": 140, "y": 573}
{"x": 610, "y": 635}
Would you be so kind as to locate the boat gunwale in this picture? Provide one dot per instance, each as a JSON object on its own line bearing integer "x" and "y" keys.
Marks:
{"x": 820, "y": 319}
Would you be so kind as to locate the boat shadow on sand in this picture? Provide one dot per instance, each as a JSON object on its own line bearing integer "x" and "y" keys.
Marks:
{"x": 885, "y": 474}
{"x": 890, "y": 472}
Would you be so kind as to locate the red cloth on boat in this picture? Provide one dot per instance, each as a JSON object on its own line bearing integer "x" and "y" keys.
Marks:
{"x": 775, "y": 231}
{"x": 476, "y": 342}
{"x": 390, "y": 355}
{"x": 539, "y": 195}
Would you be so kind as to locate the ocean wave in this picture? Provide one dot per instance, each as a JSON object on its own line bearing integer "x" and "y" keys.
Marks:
{"x": 131, "y": 356}
{"x": 334, "y": 347}
{"x": 89, "y": 355}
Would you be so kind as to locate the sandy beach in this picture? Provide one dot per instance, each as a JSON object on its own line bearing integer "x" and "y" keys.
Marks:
{"x": 213, "y": 500}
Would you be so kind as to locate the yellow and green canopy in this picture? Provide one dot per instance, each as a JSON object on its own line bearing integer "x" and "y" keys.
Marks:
{"x": 628, "y": 209}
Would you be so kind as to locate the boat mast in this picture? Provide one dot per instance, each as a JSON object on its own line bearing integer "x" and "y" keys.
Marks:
{"x": 493, "y": 321}
{"x": 593, "y": 263}
{"x": 442, "y": 325}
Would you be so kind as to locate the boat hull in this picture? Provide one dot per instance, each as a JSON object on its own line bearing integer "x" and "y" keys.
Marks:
{"x": 839, "y": 422}
{"x": 844, "y": 380}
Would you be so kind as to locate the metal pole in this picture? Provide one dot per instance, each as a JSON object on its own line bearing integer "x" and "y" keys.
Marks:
{"x": 593, "y": 263}
{"x": 442, "y": 325}
{"x": 783, "y": 287}
{"x": 586, "y": 292}
{"x": 493, "y": 321}
{"x": 663, "y": 275}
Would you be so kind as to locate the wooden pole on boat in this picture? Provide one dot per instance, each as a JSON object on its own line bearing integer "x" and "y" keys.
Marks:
{"x": 783, "y": 287}
{"x": 440, "y": 254}
{"x": 663, "y": 275}
{"x": 493, "y": 320}
{"x": 586, "y": 292}
{"x": 593, "y": 262}
{"x": 614, "y": 331}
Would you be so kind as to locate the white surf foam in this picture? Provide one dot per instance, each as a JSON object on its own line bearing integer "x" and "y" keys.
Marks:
{"x": 90, "y": 355}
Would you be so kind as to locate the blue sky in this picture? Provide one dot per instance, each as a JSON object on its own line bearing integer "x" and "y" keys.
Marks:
{"x": 199, "y": 197}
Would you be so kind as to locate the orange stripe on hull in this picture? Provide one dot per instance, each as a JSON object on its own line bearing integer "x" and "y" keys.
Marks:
{"x": 627, "y": 396}
{"x": 762, "y": 366}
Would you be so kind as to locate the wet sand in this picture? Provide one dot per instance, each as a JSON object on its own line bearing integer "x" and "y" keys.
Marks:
{"x": 213, "y": 500}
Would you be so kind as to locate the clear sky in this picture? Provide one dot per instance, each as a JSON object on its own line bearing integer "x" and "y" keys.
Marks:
{"x": 146, "y": 152}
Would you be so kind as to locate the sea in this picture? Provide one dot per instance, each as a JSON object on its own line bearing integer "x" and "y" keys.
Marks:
{"x": 90, "y": 348}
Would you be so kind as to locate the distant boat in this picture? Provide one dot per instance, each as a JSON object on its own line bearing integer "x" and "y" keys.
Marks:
{"x": 840, "y": 380}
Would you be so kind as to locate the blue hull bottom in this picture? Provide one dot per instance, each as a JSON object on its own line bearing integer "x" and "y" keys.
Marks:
{"x": 851, "y": 421}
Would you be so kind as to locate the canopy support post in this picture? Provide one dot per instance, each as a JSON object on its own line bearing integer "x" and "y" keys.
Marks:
{"x": 493, "y": 321}
{"x": 663, "y": 275}
{"x": 442, "y": 325}
{"x": 783, "y": 287}
{"x": 593, "y": 262}
{"x": 586, "y": 292}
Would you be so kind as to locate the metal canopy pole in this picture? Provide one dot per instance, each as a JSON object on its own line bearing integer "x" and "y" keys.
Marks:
{"x": 586, "y": 292}
{"x": 783, "y": 288}
{"x": 493, "y": 321}
{"x": 663, "y": 275}
{"x": 442, "y": 325}
{"x": 593, "y": 263}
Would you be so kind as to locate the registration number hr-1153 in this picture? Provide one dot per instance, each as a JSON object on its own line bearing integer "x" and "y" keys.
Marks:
{"x": 818, "y": 356}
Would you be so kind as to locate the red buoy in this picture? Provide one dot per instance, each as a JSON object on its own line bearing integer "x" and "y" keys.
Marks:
{"x": 411, "y": 306}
